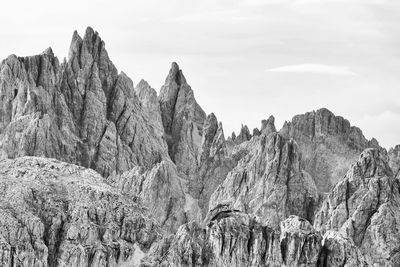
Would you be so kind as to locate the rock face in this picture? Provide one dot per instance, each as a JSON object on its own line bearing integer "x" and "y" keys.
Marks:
{"x": 58, "y": 214}
{"x": 81, "y": 111}
{"x": 394, "y": 160}
{"x": 269, "y": 182}
{"x": 183, "y": 121}
{"x": 243, "y": 136}
{"x": 215, "y": 163}
{"x": 364, "y": 206}
{"x": 329, "y": 144}
{"x": 160, "y": 190}
{"x": 232, "y": 238}
{"x": 196, "y": 142}
{"x": 151, "y": 106}
{"x": 339, "y": 251}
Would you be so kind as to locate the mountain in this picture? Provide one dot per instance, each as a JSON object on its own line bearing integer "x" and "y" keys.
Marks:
{"x": 95, "y": 171}
{"x": 329, "y": 144}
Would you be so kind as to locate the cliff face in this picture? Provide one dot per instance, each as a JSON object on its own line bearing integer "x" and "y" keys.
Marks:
{"x": 196, "y": 142}
{"x": 237, "y": 239}
{"x": 155, "y": 182}
{"x": 394, "y": 160}
{"x": 81, "y": 111}
{"x": 364, "y": 207}
{"x": 269, "y": 182}
{"x": 329, "y": 144}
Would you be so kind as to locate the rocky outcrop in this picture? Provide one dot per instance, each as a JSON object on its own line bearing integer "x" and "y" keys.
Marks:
{"x": 269, "y": 182}
{"x": 215, "y": 163}
{"x": 58, "y": 214}
{"x": 151, "y": 107}
{"x": 231, "y": 238}
{"x": 339, "y": 251}
{"x": 243, "y": 136}
{"x": 183, "y": 121}
{"x": 364, "y": 207}
{"x": 161, "y": 191}
{"x": 81, "y": 111}
{"x": 196, "y": 143}
{"x": 328, "y": 144}
{"x": 394, "y": 160}
{"x": 268, "y": 126}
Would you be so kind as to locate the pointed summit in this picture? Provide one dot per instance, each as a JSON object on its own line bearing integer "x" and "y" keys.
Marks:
{"x": 244, "y": 135}
{"x": 180, "y": 113}
{"x": 48, "y": 51}
{"x": 74, "y": 48}
{"x": 89, "y": 52}
{"x": 175, "y": 75}
{"x": 142, "y": 84}
{"x": 268, "y": 126}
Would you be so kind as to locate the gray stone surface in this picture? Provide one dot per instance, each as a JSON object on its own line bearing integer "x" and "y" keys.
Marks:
{"x": 81, "y": 111}
{"x": 329, "y": 145}
{"x": 269, "y": 182}
{"x": 364, "y": 206}
{"x": 57, "y": 214}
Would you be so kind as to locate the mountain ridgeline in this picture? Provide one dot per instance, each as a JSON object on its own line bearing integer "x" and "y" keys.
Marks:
{"x": 97, "y": 172}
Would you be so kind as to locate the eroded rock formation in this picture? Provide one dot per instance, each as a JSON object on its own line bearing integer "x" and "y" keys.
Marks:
{"x": 269, "y": 182}
{"x": 364, "y": 207}
{"x": 329, "y": 144}
{"x": 81, "y": 111}
{"x": 57, "y": 214}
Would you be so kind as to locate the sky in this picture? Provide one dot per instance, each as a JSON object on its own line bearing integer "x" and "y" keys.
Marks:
{"x": 244, "y": 59}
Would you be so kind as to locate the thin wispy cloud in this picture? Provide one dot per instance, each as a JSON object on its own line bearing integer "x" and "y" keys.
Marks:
{"x": 314, "y": 68}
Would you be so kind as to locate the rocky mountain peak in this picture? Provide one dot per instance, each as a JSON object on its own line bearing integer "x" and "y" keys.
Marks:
{"x": 244, "y": 135}
{"x": 179, "y": 110}
{"x": 175, "y": 75}
{"x": 361, "y": 204}
{"x": 329, "y": 144}
{"x": 74, "y": 48}
{"x": 394, "y": 160}
{"x": 48, "y": 51}
{"x": 271, "y": 173}
{"x": 268, "y": 126}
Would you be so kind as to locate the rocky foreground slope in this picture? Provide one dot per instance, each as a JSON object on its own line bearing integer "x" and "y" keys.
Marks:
{"x": 95, "y": 171}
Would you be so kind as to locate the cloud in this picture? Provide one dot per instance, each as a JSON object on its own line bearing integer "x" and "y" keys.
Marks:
{"x": 314, "y": 68}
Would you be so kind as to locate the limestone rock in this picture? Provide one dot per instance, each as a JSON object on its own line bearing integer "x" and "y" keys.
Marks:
{"x": 158, "y": 189}
{"x": 243, "y": 136}
{"x": 81, "y": 111}
{"x": 58, "y": 214}
{"x": 340, "y": 251}
{"x": 151, "y": 106}
{"x": 183, "y": 121}
{"x": 394, "y": 160}
{"x": 300, "y": 244}
{"x": 215, "y": 162}
{"x": 364, "y": 207}
{"x": 268, "y": 126}
{"x": 235, "y": 239}
{"x": 328, "y": 144}
{"x": 269, "y": 182}
{"x": 256, "y": 132}
{"x": 196, "y": 143}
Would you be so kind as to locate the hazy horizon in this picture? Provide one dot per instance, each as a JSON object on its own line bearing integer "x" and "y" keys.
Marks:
{"x": 244, "y": 59}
